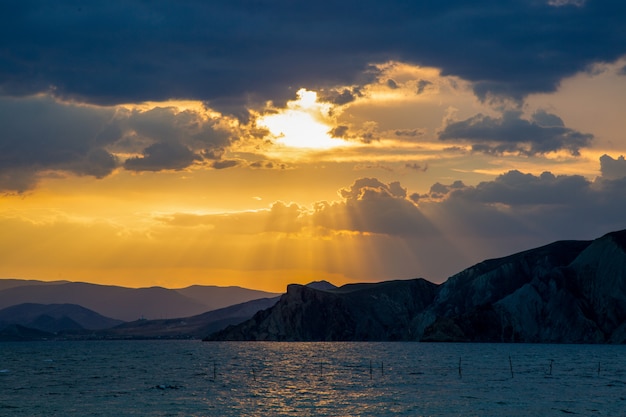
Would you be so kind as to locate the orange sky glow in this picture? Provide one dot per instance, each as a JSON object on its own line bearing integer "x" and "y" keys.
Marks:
{"x": 367, "y": 190}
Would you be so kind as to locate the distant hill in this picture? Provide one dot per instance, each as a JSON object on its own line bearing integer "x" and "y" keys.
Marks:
{"x": 124, "y": 303}
{"x": 565, "y": 292}
{"x": 194, "y": 327}
{"x": 53, "y": 318}
{"x": 17, "y": 333}
{"x": 321, "y": 285}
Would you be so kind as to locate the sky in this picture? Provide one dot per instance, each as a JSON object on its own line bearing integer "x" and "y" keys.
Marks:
{"x": 261, "y": 143}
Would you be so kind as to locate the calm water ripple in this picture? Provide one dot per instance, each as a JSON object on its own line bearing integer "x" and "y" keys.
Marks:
{"x": 191, "y": 378}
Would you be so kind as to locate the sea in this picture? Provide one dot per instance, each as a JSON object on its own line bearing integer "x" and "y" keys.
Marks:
{"x": 194, "y": 378}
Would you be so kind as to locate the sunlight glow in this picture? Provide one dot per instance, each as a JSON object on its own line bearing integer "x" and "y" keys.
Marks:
{"x": 305, "y": 123}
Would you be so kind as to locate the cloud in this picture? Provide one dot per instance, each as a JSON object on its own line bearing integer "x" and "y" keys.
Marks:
{"x": 237, "y": 52}
{"x": 392, "y": 84}
{"x": 161, "y": 156}
{"x": 519, "y": 205}
{"x": 409, "y": 133}
{"x": 422, "y": 85}
{"x": 279, "y": 218}
{"x": 371, "y": 206}
{"x": 225, "y": 163}
{"x": 417, "y": 167}
{"x": 542, "y": 133}
{"x": 612, "y": 169}
{"x": 39, "y": 134}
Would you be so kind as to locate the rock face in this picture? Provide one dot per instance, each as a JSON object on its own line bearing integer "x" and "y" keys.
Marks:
{"x": 565, "y": 292}
{"x": 381, "y": 311}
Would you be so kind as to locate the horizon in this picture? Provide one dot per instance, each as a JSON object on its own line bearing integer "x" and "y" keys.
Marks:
{"x": 262, "y": 145}
{"x": 303, "y": 283}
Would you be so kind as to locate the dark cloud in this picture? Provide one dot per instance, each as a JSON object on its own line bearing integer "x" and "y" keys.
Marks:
{"x": 339, "y": 131}
{"x": 340, "y": 97}
{"x": 613, "y": 169}
{"x": 38, "y": 134}
{"x": 543, "y": 133}
{"x": 523, "y": 206}
{"x": 409, "y": 133}
{"x": 421, "y": 85}
{"x": 392, "y": 84}
{"x": 518, "y": 189}
{"x": 162, "y": 156}
{"x": 225, "y": 163}
{"x": 239, "y": 51}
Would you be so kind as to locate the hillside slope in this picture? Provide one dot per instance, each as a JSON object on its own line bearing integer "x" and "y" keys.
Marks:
{"x": 565, "y": 292}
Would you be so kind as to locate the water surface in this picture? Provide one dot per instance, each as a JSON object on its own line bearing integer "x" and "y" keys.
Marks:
{"x": 192, "y": 378}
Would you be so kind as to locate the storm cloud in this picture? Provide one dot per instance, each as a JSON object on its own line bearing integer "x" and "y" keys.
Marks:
{"x": 229, "y": 52}
{"x": 41, "y": 134}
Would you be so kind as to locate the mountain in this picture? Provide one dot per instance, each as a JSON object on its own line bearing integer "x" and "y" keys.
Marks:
{"x": 17, "y": 333}
{"x": 214, "y": 297}
{"x": 382, "y": 311}
{"x": 10, "y": 283}
{"x": 54, "y": 318}
{"x": 124, "y": 303}
{"x": 565, "y": 292}
{"x": 194, "y": 327}
{"x": 321, "y": 285}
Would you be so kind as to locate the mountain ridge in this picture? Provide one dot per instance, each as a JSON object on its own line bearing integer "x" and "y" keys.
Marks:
{"x": 124, "y": 303}
{"x": 563, "y": 292}
{"x": 51, "y": 319}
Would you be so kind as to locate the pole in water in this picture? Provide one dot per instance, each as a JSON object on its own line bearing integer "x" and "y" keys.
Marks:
{"x": 370, "y": 369}
{"x": 253, "y": 374}
{"x": 321, "y": 368}
{"x": 214, "y": 371}
{"x": 382, "y": 368}
{"x": 598, "y": 368}
{"x": 460, "y": 372}
{"x": 551, "y": 362}
{"x": 511, "y": 366}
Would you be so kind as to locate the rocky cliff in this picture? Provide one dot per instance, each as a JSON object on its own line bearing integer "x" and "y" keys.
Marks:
{"x": 381, "y": 311}
{"x": 565, "y": 292}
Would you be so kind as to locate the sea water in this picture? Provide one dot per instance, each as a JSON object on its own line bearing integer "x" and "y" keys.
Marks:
{"x": 193, "y": 378}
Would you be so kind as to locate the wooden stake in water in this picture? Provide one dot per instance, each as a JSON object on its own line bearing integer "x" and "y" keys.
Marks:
{"x": 214, "y": 371}
{"x": 551, "y": 362}
{"x": 460, "y": 371}
{"x": 598, "y": 368}
{"x": 511, "y": 366}
{"x": 382, "y": 369}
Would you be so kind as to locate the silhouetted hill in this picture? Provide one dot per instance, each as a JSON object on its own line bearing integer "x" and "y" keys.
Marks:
{"x": 321, "y": 285}
{"x": 380, "y": 311}
{"x": 565, "y": 292}
{"x": 18, "y": 333}
{"x": 54, "y": 318}
{"x": 194, "y": 327}
{"x": 214, "y": 297}
{"x": 127, "y": 304}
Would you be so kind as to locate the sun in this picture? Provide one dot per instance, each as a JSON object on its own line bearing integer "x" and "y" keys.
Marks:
{"x": 304, "y": 123}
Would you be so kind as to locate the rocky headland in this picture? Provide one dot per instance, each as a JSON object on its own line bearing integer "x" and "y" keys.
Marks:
{"x": 565, "y": 292}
